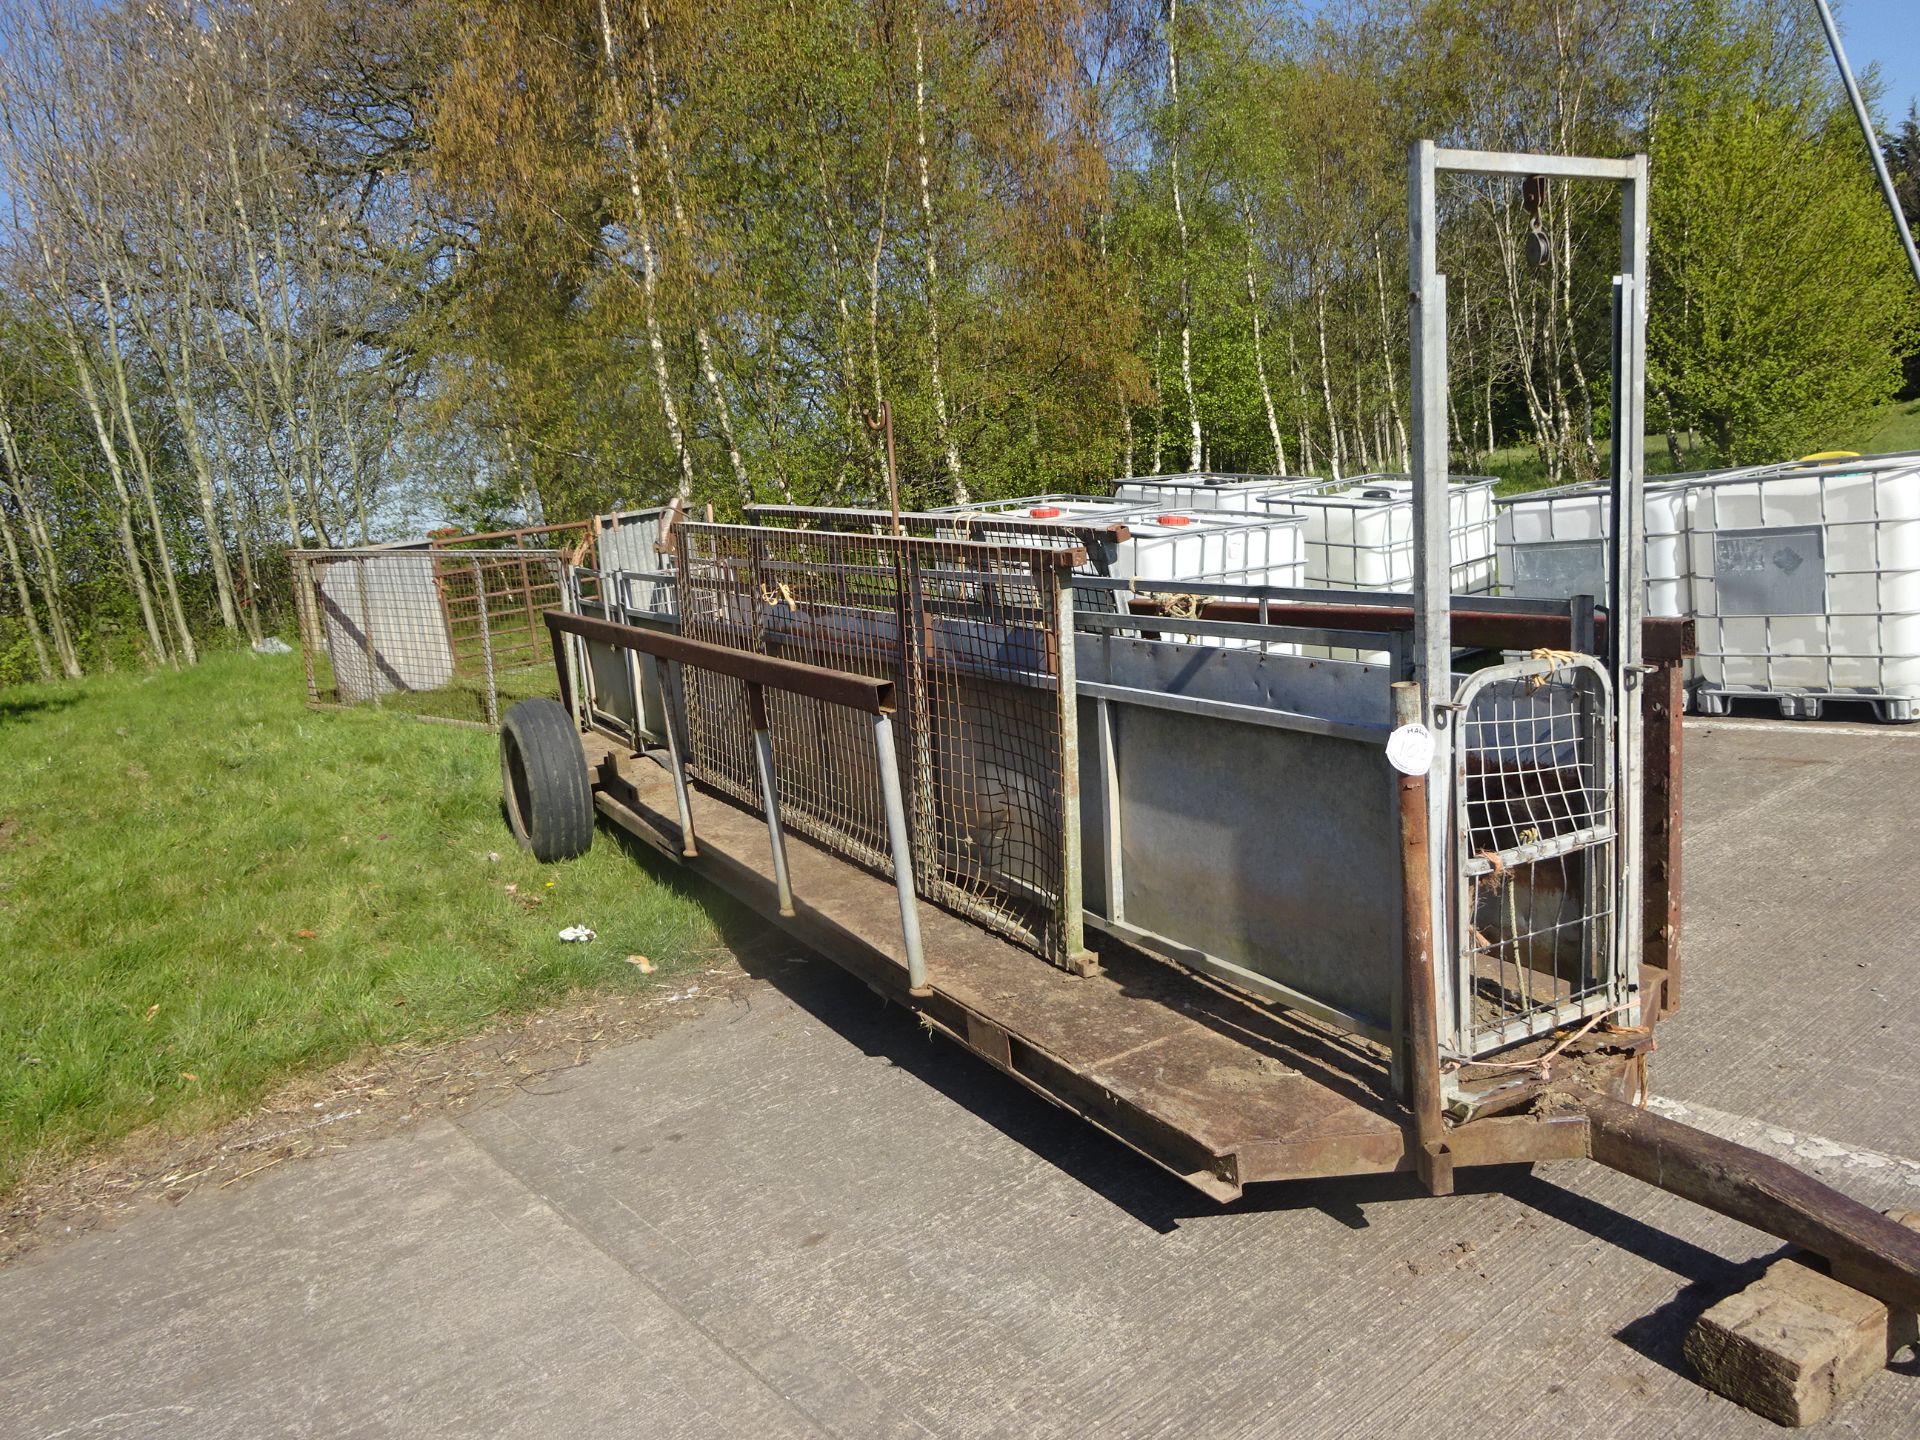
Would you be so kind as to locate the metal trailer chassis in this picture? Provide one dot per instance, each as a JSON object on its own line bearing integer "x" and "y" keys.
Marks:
{"x": 1226, "y": 1076}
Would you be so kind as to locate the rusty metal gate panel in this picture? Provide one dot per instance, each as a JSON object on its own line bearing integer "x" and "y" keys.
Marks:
{"x": 1535, "y": 870}
{"x": 970, "y": 635}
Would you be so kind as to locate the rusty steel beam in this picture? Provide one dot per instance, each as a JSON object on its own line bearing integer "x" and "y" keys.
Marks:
{"x": 1756, "y": 1190}
{"x": 1665, "y": 700}
{"x": 836, "y": 687}
{"x": 987, "y": 524}
{"x": 1420, "y": 1041}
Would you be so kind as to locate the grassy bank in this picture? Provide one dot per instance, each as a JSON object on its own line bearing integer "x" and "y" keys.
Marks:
{"x": 204, "y": 887}
{"x": 1519, "y": 467}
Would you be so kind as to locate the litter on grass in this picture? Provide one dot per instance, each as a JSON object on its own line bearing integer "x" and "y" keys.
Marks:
{"x": 577, "y": 933}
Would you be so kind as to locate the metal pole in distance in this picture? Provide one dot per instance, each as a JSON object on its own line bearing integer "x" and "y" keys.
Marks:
{"x": 896, "y": 808}
{"x": 486, "y": 649}
{"x": 1873, "y": 141}
{"x": 1420, "y": 1040}
{"x": 366, "y": 630}
{"x": 769, "y": 795}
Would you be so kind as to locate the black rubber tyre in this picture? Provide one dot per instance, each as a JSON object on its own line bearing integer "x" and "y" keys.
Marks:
{"x": 543, "y": 780}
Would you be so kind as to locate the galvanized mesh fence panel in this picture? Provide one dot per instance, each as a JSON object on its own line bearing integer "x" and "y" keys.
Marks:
{"x": 451, "y": 635}
{"x": 971, "y": 525}
{"x": 1534, "y": 820}
{"x": 969, "y": 634}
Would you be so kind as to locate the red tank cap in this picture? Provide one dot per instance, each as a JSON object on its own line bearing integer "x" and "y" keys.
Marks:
{"x": 1173, "y": 519}
{"x": 1044, "y": 512}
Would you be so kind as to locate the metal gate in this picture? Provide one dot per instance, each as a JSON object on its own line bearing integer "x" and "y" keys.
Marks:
{"x": 1535, "y": 874}
{"x": 971, "y": 634}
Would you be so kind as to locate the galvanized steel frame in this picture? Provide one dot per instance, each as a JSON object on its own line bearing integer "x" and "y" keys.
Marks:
{"x": 1433, "y": 639}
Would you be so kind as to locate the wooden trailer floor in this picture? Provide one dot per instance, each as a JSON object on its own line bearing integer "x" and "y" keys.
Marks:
{"x": 1222, "y": 1090}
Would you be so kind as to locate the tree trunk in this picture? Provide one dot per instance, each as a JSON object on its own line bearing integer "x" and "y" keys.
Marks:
{"x": 1194, "y": 456}
{"x": 1386, "y": 354}
{"x": 1259, "y": 347}
{"x": 642, "y": 229}
{"x": 703, "y": 344}
{"x": 143, "y": 472}
{"x": 1334, "y": 455}
{"x": 18, "y": 572}
{"x": 947, "y": 443}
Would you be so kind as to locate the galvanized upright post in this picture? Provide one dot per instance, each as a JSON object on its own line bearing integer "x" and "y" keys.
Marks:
{"x": 769, "y": 793}
{"x": 1113, "y": 872}
{"x": 568, "y": 653}
{"x": 902, "y": 849}
{"x": 1433, "y": 577}
{"x": 1073, "y": 934}
{"x": 676, "y": 756}
{"x": 1627, "y": 600}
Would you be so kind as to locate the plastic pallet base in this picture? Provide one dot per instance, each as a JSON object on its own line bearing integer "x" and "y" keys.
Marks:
{"x": 1808, "y": 705}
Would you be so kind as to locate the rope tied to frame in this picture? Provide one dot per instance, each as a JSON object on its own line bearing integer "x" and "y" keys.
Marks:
{"x": 1183, "y": 607}
{"x": 1558, "y": 659}
{"x": 773, "y": 599}
{"x": 1543, "y": 1065}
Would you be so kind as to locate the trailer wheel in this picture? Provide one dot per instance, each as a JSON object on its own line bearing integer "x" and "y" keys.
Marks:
{"x": 543, "y": 781}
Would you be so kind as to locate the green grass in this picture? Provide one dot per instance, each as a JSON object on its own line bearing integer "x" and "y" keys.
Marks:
{"x": 206, "y": 887}
{"x": 1519, "y": 467}
{"x": 1900, "y": 431}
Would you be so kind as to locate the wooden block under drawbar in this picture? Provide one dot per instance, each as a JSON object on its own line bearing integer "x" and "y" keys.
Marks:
{"x": 1790, "y": 1346}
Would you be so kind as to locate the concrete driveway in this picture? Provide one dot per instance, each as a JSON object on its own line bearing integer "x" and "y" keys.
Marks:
{"x": 799, "y": 1216}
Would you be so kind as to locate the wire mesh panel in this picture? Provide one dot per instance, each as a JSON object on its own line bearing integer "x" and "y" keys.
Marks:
{"x": 969, "y": 634}
{"x": 450, "y": 635}
{"x": 1535, "y": 871}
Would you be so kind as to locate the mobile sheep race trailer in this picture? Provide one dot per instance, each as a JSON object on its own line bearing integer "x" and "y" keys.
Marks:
{"x": 1259, "y": 914}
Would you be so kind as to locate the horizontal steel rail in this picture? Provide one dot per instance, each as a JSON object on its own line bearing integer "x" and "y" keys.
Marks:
{"x": 835, "y": 687}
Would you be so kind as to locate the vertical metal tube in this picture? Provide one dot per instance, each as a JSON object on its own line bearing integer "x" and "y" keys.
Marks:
{"x": 1114, "y": 874}
{"x": 1073, "y": 933}
{"x": 486, "y": 649}
{"x": 1433, "y": 578}
{"x": 902, "y": 848}
{"x": 1417, "y": 1045}
{"x": 1628, "y": 600}
{"x": 570, "y": 647}
{"x": 770, "y": 794}
{"x": 1873, "y": 141}
{"x": 678, "y": 765}
{"x": 366, "y": 630}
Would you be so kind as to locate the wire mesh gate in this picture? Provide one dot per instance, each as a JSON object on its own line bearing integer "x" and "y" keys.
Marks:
{"x": 1535, "y": 866}
{"x": 452, "y": 635}
{"x": 971, "y": 636}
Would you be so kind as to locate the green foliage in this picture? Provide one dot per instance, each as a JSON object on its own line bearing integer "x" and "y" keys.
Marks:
{"x": 205, "y": 888}
{"x": 1782, "y": 302}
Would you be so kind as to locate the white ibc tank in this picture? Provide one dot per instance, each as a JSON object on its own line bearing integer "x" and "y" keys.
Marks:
{"x": 1239, "y": 493}
{"x": 1807, "y": 578}
{"x": 1359, "y": 533}
{"x": 1553, "y": 545}
{"x": 1214, "y": 546}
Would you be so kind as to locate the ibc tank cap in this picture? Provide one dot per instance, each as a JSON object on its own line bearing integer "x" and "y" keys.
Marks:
{"x": 1173, "y": 519}
{"x": 1379, "y": 495}
{"x": 1045, "y": 512}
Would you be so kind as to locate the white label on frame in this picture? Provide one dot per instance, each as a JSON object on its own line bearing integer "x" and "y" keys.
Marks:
{"x": 1410, "y": 749}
